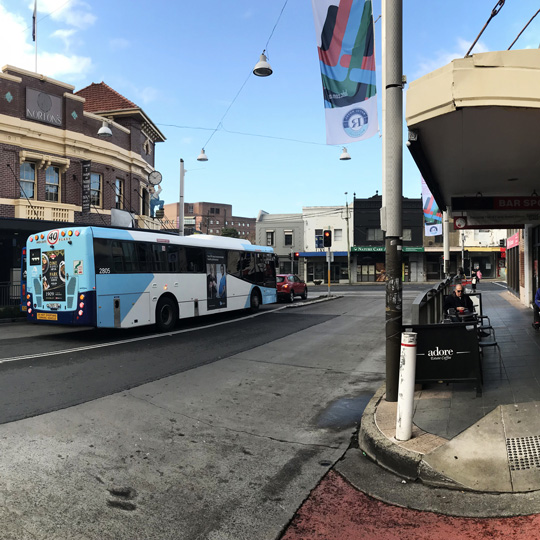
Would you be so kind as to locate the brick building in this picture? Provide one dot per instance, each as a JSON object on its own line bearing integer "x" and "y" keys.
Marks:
{"x": 211, "y": 218}
{"x": 47, "y": 132}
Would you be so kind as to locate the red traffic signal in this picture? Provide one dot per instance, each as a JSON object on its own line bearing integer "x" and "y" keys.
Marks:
{"x": 327, "y": 238}
{"x": 296, "y": 255}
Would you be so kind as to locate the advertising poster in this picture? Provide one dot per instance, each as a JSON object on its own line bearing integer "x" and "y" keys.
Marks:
{"x": 53, "y": 272}
{"x": 345, "y": 43}
{"x": 432, "y": 214}
{"x": 216, "y": 279}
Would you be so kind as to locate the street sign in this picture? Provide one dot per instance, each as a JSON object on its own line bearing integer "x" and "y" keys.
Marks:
{"x": 330, "y": 256}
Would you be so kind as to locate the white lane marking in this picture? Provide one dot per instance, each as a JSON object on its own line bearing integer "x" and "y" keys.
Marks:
{"x": 133, "y": 340}
{"x": 500, "y": 284}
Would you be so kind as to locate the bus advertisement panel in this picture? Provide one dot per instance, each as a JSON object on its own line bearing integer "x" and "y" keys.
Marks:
{"x": 119, "y": 278}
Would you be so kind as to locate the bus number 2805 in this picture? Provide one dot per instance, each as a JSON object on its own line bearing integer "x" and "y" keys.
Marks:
{"x": 104, "y": 270}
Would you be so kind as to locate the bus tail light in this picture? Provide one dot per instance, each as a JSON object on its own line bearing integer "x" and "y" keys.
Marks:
{"x": 29, "y": 310}
{"x": 81, "y": 305}
{"x": 80, "y": 312}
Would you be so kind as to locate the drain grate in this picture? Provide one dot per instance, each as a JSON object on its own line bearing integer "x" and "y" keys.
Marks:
{"x": 523, "y": 453}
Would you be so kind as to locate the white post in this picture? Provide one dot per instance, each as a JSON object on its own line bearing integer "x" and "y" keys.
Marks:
{"x": 407, "y": 371}
{"x": 181, "y": 205}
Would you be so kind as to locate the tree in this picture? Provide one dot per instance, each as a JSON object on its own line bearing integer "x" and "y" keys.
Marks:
{"x": 230, "y": 232}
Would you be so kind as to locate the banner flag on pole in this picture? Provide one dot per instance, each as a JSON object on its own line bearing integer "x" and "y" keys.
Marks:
{"x": 346, "y": 42}
{"x": 34, "y": 21}
{"x": 432, "y": 213}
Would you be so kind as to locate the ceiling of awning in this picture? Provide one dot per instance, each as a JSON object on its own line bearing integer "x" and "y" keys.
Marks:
{"x": 474, "y": 132}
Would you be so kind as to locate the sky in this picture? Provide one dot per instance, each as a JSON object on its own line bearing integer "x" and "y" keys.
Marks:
{"x": 189, "y": 65}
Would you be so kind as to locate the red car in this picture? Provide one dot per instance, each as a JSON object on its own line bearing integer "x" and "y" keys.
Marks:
{"x": 289, "y": 286}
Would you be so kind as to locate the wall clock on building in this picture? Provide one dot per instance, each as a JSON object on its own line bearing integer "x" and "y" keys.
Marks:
{"x": 461, "y": 222}
{"x": 154, "y": 178}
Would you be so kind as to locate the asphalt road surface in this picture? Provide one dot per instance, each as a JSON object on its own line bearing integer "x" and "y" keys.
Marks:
{"x": 218, "y": 430}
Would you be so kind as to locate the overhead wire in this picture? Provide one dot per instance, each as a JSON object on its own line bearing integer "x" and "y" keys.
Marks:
{"x": 524, "y": 28}
{"x": 494, "y": 11}
{"x": 245, "y": 82}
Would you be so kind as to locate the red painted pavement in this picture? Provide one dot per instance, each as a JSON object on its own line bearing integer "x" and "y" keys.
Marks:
{"x": 337, "y": 511}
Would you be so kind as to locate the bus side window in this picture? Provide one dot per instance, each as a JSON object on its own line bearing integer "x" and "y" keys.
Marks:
{"x": 195, "y": 259}
{"x": 233, "y": 263}
{"x": 117, "y": 257}
{"x": 159, "y": 253}
{"x": 130, "y": 256}
{"x": 102, "y": 256}
{"x": 144, "y": 257}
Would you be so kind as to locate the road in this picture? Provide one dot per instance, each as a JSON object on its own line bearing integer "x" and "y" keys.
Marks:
{"x": 218, "y": 430}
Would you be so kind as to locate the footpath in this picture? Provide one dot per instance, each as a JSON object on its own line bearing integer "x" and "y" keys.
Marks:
{"x": 471, "y": 468}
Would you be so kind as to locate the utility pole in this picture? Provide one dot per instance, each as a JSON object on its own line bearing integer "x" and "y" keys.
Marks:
{"x": 181, "y": 204}
{"x": 392, "y": 18}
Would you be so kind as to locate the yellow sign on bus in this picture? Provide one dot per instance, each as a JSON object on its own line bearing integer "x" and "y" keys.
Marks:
{"x": 47, "y": 316}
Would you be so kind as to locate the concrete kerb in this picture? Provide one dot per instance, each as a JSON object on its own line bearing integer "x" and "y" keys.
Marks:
{"x": 382, "y": 450}
{"x": 317, "y": 300}
{"x": 389, "y": 455}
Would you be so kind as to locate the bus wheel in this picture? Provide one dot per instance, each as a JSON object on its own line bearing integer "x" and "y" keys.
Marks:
{"x": 166, "y": 314}
{"x": 254, "y": 301}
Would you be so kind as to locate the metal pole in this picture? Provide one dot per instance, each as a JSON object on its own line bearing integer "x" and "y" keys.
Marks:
{"x": 463, "y": 250}
{"x": 446, "y": 242}
{"x": 328, "y": 261}
{"x": 393, "y": 178}
{"x": 181, "y": 204}
{"x": 348, "y": 240}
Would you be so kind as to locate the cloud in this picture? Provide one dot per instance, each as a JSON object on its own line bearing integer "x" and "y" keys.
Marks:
{"x": 75, "y": 13}
{"x": 66, "y": 36}
{"x": 18, "y": 49}
{"x": 59, "y": 65}
{"x": 441, "y": 58}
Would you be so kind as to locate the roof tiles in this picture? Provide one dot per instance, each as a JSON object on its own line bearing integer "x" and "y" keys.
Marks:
{"x": 100, "y": 98}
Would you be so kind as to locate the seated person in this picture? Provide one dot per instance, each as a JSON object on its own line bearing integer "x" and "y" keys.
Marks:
{"x": 458, "y": 301}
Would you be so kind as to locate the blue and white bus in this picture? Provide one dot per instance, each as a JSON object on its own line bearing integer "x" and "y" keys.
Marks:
{"x": 122, "y": 278}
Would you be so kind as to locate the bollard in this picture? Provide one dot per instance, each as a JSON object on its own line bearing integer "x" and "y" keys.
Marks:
{"x": 407, "y": 371}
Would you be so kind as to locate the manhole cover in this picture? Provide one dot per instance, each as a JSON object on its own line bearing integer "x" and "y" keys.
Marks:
{"x": 523, "y": 452}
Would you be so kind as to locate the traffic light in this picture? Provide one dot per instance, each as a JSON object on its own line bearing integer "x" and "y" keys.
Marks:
{"x": 296, "y": 255}
{"x": 327, "y": 238}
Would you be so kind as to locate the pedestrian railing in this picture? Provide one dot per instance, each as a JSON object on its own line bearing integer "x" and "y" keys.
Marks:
{"x": 10, "y": 293}
{"x": 427, "y": 307}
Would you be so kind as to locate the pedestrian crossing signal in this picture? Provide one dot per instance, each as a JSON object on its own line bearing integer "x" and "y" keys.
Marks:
{"x": 327, "y": 238}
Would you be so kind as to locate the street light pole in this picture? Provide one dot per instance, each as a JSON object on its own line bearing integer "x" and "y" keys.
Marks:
{"x": 181, "y": 205}
{"x": 393, "y": 180}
